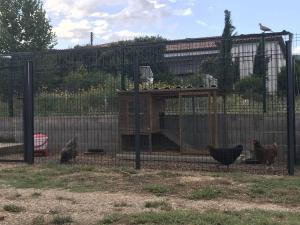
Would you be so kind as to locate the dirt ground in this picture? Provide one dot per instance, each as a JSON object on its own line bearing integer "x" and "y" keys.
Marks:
{"x": 89, "y": 207}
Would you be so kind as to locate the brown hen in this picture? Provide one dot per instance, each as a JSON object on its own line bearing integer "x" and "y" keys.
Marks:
{"x": 265, "y": 154}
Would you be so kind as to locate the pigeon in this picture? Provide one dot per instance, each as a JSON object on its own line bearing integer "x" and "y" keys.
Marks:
{"x": 264, "y": 28}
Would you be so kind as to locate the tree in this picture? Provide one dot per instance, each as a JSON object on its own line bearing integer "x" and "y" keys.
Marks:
{"x": 24, "y": 27}
{"x": 250, "y": 87}
{"x": 225, "y": 73}
{"x": 260, "y": 65}
{"x": 282, "y": 80}
{"x": 149, "y": 50}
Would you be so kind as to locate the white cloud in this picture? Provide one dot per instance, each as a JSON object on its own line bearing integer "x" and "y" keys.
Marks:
{"x": 202, "y": 23}
{"x": 68, "y": 29}
{"x": 296, "y": 51}
{"x": 75, "y": 41}
{"x": 183, "y": 12}
{"x": 121, "y": 35}
{"x": 110, "y": 20}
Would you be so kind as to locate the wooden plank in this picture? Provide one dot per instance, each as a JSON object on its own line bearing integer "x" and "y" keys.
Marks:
{"x": 167, "y": 158}
{"x": 11, "y": 148}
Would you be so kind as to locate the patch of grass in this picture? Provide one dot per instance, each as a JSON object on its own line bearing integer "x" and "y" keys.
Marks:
{"x": 256, "y": 189}
{"x": 54, "y": 211}
{"x": 62, "y": 198}
{"x": 157, "y": 189}
{"x": 36, "y": 194}
{"x": 205, "y": 193}
{"x": 73, "y": 177}
{"x": 127, "y": 171}
{"x": 163, "y": 205}
{"x": 14, "y": 196}
{"x": 109, "y": 219}
{"x": 178, "y": 217}
{"x": 275, "y": 189}
{"x": 40, "y": 220}
{"x": 59, "y": 220}
{"x": 167, "y": 174}
{"x": 120, "y": 204}
{"x": 13, "y": 208}
{"x": 78, "y": 178}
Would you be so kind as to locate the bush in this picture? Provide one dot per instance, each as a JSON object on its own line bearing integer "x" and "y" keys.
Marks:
{"x": 195, "y": 80}
{"x": 206, "y": 193}
{"x": 157, "y": 189}
{"x": 163, "y": 205}
{"x": 250, "y": 87}
{"x": 59, "y": 220}
{"x": 13, "y": 208}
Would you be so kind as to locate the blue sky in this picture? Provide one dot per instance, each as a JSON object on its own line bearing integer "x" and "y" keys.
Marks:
{"x": 113, "y": 20}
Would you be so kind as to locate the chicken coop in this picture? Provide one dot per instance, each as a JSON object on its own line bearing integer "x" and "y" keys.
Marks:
{"x": 181, "y": 120}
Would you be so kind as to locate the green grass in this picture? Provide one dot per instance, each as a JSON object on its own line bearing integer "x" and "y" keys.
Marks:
{"x": 277, "y": 190}
{"x": 76, "y": 178}
{"x": 63, "y": 198}
{"x": 120, "y": 204}
{"x": 13, "y": 208}
{"x": 163, "y": 205}
{"x": 176, "y": 217}
{"x": 205, "y": 193}
{"x": 157, "y": 189}
{"x": 109, "y": 219}
{"x": 40, "y": 220}
{"x": 36, "y": 194}
{"x": 60, "y": 220}
{"x": 53, "y": 175}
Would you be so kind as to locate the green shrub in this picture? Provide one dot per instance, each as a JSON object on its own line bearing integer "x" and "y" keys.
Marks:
{"x": 109, "y": 219}
{"x": 250, "y": 87}
{"x": 59, "y": 220}
{"x": 40, "y": 220}
{"x": 156, "y": 189}
{"x": 206, "y": 193}
{"x": 13, "y": 208}
{"x": 163, "y": 205}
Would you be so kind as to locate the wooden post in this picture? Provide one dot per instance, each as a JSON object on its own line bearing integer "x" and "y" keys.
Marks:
{"x": 209, "y": 119}
{"x": 150, "y": 121}
{"x": 180, "y": 123}
{"x": 215, "y": 121}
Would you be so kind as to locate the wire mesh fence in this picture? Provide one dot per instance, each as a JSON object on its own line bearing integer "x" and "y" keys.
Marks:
{"x": 11, "y": 111}
{"x": 200, "y": 103}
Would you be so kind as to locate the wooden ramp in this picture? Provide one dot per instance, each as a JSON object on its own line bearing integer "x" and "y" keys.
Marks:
{"x": 11, "y": 148}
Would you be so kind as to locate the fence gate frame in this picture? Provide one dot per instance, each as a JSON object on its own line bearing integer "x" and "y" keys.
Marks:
{"x": 291, "y": 129}
{"x": 28, "y": 113}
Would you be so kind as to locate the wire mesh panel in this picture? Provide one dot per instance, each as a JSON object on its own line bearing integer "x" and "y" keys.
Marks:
{"x": 209, "y": 103}
{"x": 76, "y": 96}
{"x": 296, "y": 72}
{"x": 243, "y": 103}
{"x": 11, "y": 110}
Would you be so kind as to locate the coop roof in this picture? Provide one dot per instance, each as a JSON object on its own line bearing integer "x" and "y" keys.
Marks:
{"x": 209, "y": 43}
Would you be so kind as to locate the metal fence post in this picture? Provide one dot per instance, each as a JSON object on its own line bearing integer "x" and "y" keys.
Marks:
{"x": 28, "y": 113}
{"x": 290, "y": 107}
{"x": 264, "y": 74}
{"x": 123, "y": 69}
{"x": 137, "y": 137}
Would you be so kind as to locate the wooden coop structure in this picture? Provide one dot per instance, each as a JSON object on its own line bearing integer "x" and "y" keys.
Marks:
{"x": 181, "y": 120}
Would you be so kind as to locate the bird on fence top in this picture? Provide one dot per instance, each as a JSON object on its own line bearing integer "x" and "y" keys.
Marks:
{"x": 264, "y": 28}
